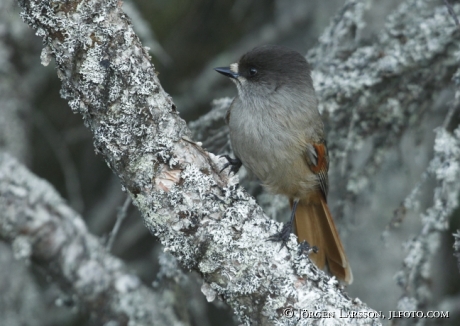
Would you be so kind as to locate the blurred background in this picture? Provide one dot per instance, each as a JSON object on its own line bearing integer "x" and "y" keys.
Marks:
{"x": 187, "y": 38}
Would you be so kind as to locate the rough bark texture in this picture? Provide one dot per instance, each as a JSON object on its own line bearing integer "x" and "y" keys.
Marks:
{"x": 366, "y": 93}
{"x": 381, "y": 90}
{"x": 369, "y": 96}
{"x": 199, "y": 215}
{"x": 44, "y": 231}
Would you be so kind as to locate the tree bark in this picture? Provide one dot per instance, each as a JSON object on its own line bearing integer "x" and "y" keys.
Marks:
{"x": 201, "y": 216}
{"x": 44, "y": 231}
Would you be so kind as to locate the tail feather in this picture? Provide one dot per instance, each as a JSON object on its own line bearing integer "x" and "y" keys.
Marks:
{"x": 315, "y": 225}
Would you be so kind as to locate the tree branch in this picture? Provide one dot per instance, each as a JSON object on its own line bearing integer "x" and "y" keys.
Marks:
{"x": 457, "y": 248}
{"x": 42, "y": 229}
{"x": 373, "y": 93}
{"x": 200, "y": 216}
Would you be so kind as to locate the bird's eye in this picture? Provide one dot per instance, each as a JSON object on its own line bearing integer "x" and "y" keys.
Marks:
{"x": 252, "y": 71}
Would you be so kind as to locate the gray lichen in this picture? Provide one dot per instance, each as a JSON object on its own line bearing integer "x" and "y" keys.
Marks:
{"x": 199, "y": 215}
{"x": 44, "y": 231}
{"x": 457, "y": 248}
{"x": 414, "y": 278}
{"x": 370, "y": 95}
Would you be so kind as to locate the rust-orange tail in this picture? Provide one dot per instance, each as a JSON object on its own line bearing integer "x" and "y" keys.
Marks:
{"x": 314, "y": 224}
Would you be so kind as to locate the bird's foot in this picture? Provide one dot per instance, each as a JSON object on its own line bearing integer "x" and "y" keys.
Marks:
{"x": 282, "y": 236}
{"x": 234, "y": 163}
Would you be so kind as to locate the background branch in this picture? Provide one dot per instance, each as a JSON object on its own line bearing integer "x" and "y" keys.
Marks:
{"x": 383, "y": 88}
{"x": 371, "y": 95}
{"x": 44, "y": 231}
{"x": 199, "y": 215}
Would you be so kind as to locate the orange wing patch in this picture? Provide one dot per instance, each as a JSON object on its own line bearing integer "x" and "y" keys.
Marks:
{"x": 321, "y": 164}
{"x": 317, "y": 158}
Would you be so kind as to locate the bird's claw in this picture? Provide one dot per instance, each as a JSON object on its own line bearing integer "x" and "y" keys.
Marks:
{"x": 282, "y": 236}
{"x": 235, "y": 164}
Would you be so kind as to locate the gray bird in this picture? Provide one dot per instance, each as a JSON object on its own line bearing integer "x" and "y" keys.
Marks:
{"x": 277, "y": 133}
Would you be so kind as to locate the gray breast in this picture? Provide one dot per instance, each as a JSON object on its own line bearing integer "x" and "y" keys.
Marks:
{"x": 259, "y": 141}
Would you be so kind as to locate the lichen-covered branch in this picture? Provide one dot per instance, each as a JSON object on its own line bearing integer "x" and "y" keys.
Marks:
{"x": 414, "y": 278}
{"x": 43, "y": 230}
{"x": 370, "y": 92}
{"x": 381, "y": 90}
{"x": 13, "y": 101}
{"x": 457, "y": 248}
{"x": 199, "y": 215}
{"x": 373, "y": 93}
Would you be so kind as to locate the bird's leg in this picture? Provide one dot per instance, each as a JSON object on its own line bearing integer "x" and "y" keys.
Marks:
{"x": 235, "y": 164}
{"x": 286, "y": 231}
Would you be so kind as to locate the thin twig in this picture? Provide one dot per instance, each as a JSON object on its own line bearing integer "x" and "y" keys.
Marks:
{"x": 121, "y": 215}
{"x": 450, "y": 114}
{"x": 61, "y": 150}
{"x": 451, "y": 11}
{"x": 338, "y": 18}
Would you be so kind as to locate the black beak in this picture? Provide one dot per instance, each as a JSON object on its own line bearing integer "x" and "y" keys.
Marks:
{"x": 226, "y": 72}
